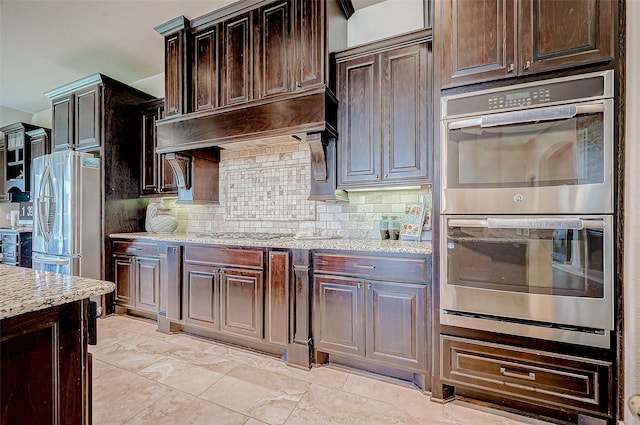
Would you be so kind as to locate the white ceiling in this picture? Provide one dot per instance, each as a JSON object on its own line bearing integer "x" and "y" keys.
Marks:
{"x": 45, "y": 44}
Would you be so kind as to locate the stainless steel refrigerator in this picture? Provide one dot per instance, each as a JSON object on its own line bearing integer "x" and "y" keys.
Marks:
{"x": 67, "y": 227}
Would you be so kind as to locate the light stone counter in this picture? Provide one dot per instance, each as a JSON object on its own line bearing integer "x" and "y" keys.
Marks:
{"x": 25, "y": 290}
{"x": 345, "y": 244}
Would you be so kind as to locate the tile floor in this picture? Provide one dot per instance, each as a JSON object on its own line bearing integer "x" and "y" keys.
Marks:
{"x": 141, "y": 376}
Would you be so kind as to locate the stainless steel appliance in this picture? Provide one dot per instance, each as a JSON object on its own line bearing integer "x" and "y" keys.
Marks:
{"x": 548, "y": 277}
{"x": 67, "y": 233}
{"x": 543, "y": 147}
{"x": 527, "y": 226}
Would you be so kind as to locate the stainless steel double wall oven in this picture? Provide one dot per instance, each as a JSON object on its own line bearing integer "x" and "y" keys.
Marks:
{"x": 527, "y": 216}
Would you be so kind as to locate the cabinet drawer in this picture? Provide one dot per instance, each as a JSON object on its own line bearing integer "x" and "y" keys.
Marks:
{"x": 135, "y": 248}
{"x": 225, "y": 256}
{"x": 531, "y": 375}
{"x": 393, "y": 268}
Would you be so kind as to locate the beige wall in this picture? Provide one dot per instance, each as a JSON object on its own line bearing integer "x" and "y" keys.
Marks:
{"x": 385, "y": 19}
{"x": 632, "y": 210}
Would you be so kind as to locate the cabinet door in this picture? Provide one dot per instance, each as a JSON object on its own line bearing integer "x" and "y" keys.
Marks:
{"x": 148, "y": 284}
{"x": 477, "y": 41}
{"x": 276, "y": 299}
{"x": 40, "y": 145}
{"x": 242, "y": 302}
{"x": 359, "y": 121}
{"x": 309, "y": 33}
{"x": 237, "y": 59}
{"x": 396, "y": 324}
{"x": 124, "y": 276}
{"x": 404, "y": 94}
{"x": 87, "y": 117}
{"x": 201, "y": 297}
{"x": 205, "y": 70}
{"x": 339, "y": 315}
{"x": 273, "y": 71}
{"x": 149, "y": 159}
{"x": 175, "y": 79}
{"x": 63, "y": 129}
{"x": 560, "y": 34}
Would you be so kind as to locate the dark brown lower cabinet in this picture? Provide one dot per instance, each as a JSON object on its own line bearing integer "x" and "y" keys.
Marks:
{"x": 241, "y": 302}
{"x": 136, "y": 273}
{"x": 380, "y": 316}
{"x": 201, "y": 296}
{"x": 45, "y": 367}
{"x": 573, "y": 386}
{"x": 226, "y": 294}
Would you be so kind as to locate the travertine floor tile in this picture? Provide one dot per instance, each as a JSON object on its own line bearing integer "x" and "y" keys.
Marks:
{"x": 129, "y": 357}
{"x": 187, "y": 377}
{"x": 180, "y": 408}
{"x": 258, "y": 393}
{"x": 100, "y": 368}
{"x": 142, "y": 376}
{"x": 412, "y": 401}
{"x": 323, "y": 375}
{"x": 119, "y": 395}
{"x": 326, "y": 406}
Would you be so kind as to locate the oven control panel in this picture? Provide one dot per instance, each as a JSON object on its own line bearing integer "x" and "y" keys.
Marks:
{"x": 572, "y": 89}
{"x": 519, "y": 98}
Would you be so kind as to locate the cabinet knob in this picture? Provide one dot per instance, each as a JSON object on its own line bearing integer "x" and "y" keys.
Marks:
{"x": 386, "y": 176}
{"x": 510, "y": 69}
{"x": 359, "y": 285}
{"x": 527, "y": 65}
{"x": 298, "y": 84}
{"x": 376, "y": 176}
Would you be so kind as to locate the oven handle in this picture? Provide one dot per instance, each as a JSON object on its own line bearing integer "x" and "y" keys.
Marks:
{"x": 528, "y": 223}
{"x": 529, "y": 115}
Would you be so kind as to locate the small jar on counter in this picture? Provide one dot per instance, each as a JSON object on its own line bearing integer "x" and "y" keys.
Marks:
{"x": 384, "y": 227}
{"x": 394, "y": 228}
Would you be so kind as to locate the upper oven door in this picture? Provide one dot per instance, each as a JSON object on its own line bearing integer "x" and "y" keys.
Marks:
{"x": 549, "y": 160}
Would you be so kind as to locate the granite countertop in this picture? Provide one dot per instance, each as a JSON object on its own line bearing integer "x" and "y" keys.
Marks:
{"x": 25, "y": 290}
{"x": 346, "y": 244}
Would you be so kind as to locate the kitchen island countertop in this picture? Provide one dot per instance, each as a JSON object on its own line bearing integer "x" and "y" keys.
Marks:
{"x": 346, "y": 244}
{"x": 24, "y": 290}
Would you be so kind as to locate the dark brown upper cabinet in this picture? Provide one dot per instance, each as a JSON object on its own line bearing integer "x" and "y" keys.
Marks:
{"x": 17, "y": 154}
{"x": 205, "y": 70}
{"x": 309, "y": 32}
{"x": 177, "y": 79}
{"x": 237, "y": 60}
{"x": 273, "y": 68}
{"x": 384, "y": 136}
{"x": 156, "y": 175}
{"x": 87, "y": 117}
{"x": 485, "y": 40}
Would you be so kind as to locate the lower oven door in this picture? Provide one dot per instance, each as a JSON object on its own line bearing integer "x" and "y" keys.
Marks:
{"x": 547, "y": 277}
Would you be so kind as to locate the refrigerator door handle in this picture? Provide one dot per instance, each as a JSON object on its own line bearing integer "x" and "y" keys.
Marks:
{"x": 48, "y": 259}
{"x": 46, "y": 204}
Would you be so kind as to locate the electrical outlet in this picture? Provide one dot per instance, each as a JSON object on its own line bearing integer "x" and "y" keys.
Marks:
{"x": 208, "y": 225}
{"x": 634, "y": 405}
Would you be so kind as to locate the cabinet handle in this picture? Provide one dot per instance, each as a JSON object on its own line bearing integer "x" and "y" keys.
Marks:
{"x": 386, "y": 176}
{"x": 363, "y": 266}
{"x": 519, "y": 374}
{"x": 298, "y": 84}
{"x": 527, "y": 65}
{"x": 368, "y": 286}
{"x": 510, "y": 69}
{"x": 359, "y": 285}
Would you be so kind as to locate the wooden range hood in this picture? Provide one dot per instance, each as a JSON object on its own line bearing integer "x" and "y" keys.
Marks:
{"x": 307, "y": 117}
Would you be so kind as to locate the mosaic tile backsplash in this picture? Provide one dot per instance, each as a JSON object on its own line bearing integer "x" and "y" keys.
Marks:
{"x": 266, "y": 190}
